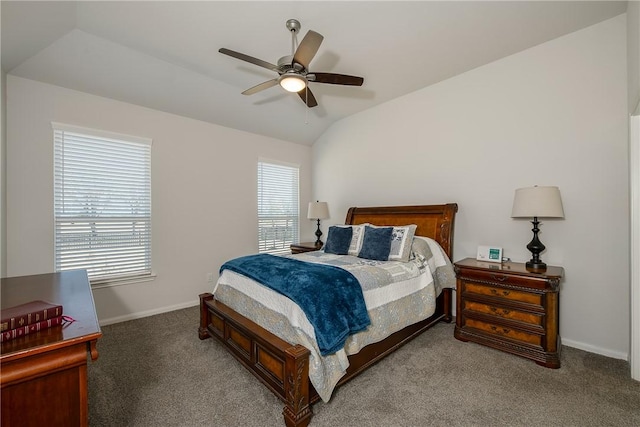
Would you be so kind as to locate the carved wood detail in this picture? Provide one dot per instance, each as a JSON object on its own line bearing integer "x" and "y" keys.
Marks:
{"x": 297, "y": 412}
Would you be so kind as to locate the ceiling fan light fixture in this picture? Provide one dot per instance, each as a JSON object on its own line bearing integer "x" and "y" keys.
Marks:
{"x": 292, "y": 82}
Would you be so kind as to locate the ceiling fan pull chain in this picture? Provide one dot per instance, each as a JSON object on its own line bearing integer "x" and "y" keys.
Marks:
{"x": 306, "y": 110}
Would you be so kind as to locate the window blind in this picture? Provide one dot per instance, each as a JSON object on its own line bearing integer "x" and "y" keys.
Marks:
{"x": 278, "y": 207}
{"x": 102, "y": 204}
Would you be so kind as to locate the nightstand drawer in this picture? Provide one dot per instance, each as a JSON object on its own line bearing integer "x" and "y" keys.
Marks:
{"x": 505, "y": 332}
{"x": 510, "y": 294}
{"x": 502, "y": 312}
{"x": 503, "y": 277}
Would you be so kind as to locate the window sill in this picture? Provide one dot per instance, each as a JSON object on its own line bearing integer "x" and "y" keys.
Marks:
{"x": 109, "y": 283}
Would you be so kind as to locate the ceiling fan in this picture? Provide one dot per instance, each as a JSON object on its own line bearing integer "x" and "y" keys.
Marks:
{"x": 293, "y": 70}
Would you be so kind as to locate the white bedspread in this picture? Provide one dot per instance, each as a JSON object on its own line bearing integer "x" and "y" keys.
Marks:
{"x": 397, "y": 294}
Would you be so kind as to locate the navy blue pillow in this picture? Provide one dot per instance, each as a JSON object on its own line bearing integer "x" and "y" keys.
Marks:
{"x": 376, "y": 244}
{"x": 338, "y": 240}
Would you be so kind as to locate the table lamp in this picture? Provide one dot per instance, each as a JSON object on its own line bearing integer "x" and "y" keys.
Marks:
{"x": 537, "y": 202}
{"x": 318, "y": 210}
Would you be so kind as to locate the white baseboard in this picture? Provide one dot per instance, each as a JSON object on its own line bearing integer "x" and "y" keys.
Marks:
{"x": 597, "y": 350}
{"x": 141, "y": 314}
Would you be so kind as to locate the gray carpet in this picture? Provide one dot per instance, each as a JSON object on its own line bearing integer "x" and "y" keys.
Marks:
{"x": 156, "y": 372}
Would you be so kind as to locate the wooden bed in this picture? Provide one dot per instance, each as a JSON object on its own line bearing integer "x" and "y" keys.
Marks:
{"x": 283, "y": 367}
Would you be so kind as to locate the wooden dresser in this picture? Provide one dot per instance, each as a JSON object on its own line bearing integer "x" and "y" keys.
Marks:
{"x": 44, "y": 374}
{"x": 506, "y": 307}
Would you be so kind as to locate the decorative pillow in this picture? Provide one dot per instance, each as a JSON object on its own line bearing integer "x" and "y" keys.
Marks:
{"x": 356, "y": 237}
{"x": 420, "y": 248}
{"x": 401, "y": 240}
{"x": 376, "y": 243}
{"x": 338, "y": 240}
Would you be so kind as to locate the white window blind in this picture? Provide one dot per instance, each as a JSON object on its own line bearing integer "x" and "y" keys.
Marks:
{"x": 278, "y": 207}
{"x": 102, "y": 204}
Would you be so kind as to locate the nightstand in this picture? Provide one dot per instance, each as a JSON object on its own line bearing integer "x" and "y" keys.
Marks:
{"x": 506, "y": 307}
{"x": 305, "y": 247}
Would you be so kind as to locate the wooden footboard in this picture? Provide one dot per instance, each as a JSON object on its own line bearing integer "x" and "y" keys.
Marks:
{"x": 284, "y": 367}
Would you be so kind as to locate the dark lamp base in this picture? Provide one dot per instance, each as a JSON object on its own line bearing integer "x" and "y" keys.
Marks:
{"x": 535, "y": 246}
{"x": 318, "y": 235}
{"x": 536, "y": 266}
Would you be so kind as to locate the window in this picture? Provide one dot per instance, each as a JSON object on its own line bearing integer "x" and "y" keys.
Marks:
{"x": 278, "y": 207}
{"x": 102, "y": 204}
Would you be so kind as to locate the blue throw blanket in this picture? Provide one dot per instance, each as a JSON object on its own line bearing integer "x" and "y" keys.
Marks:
{"x": 330, "y": 297}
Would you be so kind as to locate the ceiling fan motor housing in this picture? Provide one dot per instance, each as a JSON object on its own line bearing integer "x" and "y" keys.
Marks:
{"x": 286, "y": 64}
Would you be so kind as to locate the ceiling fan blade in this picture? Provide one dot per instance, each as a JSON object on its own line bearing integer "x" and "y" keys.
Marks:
{"x": 307, "y": 48}
{"x": 307, "y": 97}
{"x": 261, "y": 86}
{"x": 251, "y": 59}
{"x": 335, "y": 79}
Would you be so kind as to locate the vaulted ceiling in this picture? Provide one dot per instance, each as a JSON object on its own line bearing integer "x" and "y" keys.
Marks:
{"x": 164, "y": 55}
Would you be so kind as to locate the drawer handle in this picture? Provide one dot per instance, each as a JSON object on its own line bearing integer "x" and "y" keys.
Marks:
{"x": 499, "y": 278}
{"x": 500, "y": 330}
{"x": 503, "y": 312}
{"x": 504, "y": 293}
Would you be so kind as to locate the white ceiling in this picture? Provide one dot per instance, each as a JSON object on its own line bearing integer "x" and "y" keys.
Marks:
{"x": 164, "y": 55}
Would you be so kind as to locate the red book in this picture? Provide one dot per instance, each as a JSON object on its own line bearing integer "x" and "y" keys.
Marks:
{"x": 30, "y": 329}
{"x": 27, "y": 314}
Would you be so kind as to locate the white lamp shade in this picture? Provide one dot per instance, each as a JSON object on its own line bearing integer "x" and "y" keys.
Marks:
{"x": 318, "y": 210}
{"x": 542, "y": 202}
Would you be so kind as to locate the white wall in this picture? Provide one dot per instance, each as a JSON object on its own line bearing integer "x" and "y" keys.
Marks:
{"x": 203, "y": 192}
{"x": 3, "y": 163}
{"x": 633, "y": 53}
{"x": 3, "y": 170}
{"x": 633, "y": 66}
{"x": 555, "y": 114}
{"x": 634, "y": 300}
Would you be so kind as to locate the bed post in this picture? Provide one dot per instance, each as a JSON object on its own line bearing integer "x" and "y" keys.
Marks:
{"x": 296, "y": 387}
{"x": 447, "y": 302}
{"x": 203, "y": 332}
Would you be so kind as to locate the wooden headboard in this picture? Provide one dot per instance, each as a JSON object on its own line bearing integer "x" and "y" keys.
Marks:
{"x": 434, "y": 221}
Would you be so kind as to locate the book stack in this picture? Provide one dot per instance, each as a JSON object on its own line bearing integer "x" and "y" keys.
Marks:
{"x": 29, "y": 318}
